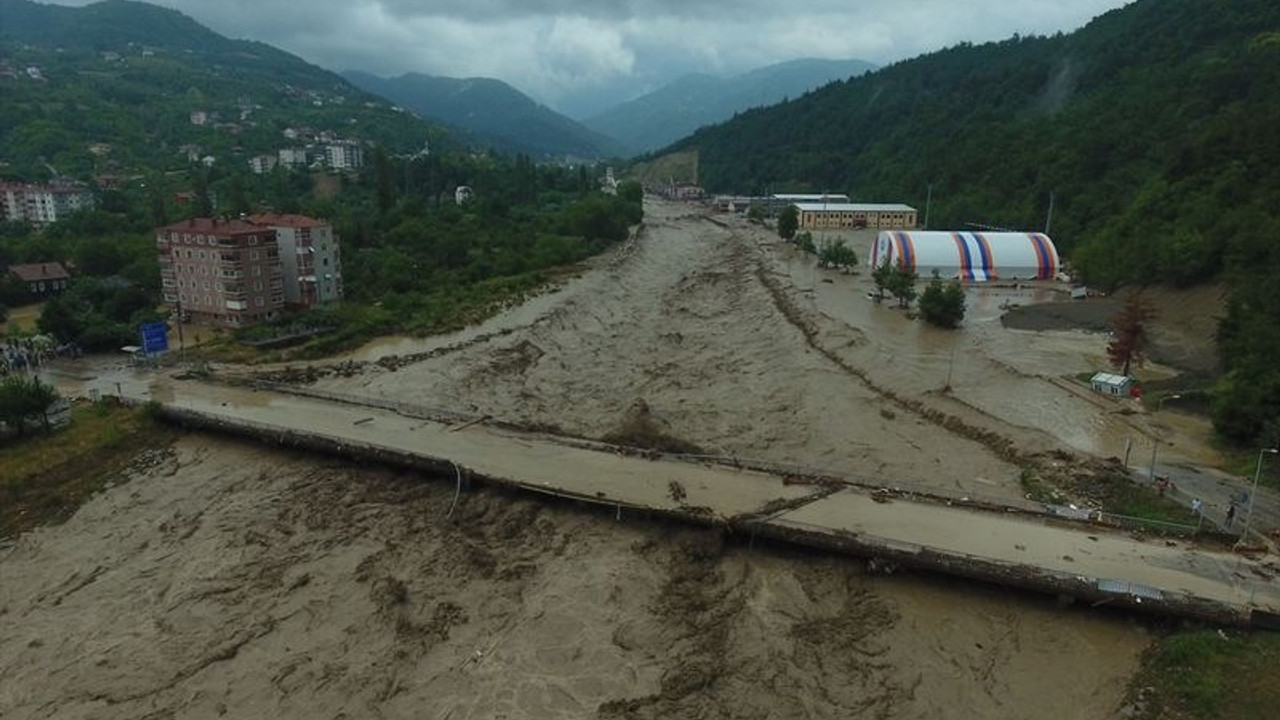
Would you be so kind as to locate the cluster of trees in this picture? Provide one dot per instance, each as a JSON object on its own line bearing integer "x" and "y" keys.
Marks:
{"x": 415, "y": 261}
{"x": 23, "y": 399}
{"x": 942, "y": 302}
{"x": 116, "y": 278}
{"x": 891, "y": 278}
{"x": 1152, "y": 127}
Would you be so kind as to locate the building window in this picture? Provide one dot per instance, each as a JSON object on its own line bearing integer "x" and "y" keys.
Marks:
{"x": 257, "y": 270}
{"x": 253, "y": 254}
{"x": 253, "y": 239}
{"x": 259, "y": 301}
{"x": 199, "y": 239}
{"x": 182, "y": 297}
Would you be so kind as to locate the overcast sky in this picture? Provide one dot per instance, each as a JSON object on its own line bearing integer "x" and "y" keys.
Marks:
{"x": 572, "y": 53}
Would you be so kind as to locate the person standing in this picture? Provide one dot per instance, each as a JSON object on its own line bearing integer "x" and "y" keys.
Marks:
{"x": 1231, "y": 514}
{"x": 1197, "y": 506}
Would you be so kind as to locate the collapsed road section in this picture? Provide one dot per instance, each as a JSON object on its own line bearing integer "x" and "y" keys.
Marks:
{"x": 1081, "y": 561}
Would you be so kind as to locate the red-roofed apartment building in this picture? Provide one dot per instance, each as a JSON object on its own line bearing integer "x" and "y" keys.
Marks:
{"x": 42, "y": 278}
{"x": 309, "y": 257}
{"x": 221, "y": 272}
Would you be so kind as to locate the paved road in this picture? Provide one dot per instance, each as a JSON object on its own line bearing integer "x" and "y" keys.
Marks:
{"x": 1028, "y": 544}
{"x": 1217, "y": 490}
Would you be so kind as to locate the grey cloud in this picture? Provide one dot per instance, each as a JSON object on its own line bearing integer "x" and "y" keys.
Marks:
{"x": 567, "y": 52}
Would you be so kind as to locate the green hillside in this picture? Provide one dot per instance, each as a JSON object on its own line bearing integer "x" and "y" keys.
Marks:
{"x": 129, "y": 75}
{"x": 1154, "y": 126}
{"x": 492, "y": 111}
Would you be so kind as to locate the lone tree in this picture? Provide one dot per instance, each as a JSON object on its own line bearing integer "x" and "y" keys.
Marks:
{"x": 942, "y": 303}
{"x": 788, "y": 222}
{"x": 1127, "y": 346}
{"x": 22, "y": 398}
{"x": 889, "y": 277}
{"x": 804, "y": 241}
{"x": 835, "y": 254}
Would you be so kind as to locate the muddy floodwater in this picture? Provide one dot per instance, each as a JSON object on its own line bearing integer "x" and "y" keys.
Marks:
{"x": 231, "y": 580}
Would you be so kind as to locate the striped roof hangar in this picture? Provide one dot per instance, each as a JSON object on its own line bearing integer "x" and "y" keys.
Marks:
{"x": 969, "y": 256}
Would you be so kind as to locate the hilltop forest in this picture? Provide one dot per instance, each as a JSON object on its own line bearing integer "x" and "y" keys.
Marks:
{"x": 118, "y": 82}
{"x": 1154, "y": 128}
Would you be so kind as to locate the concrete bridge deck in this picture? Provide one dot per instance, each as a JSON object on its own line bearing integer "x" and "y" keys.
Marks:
{"x": 1088, "y": 562}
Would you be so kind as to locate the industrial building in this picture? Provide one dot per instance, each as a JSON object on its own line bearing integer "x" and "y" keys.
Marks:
{"x": 849, "y": 216}
{"x": 775, "y": 204}
{"x": 969, "y": 256}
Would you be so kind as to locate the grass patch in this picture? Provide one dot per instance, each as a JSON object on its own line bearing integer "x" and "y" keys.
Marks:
{"x": 1210, "y": 675}
{"x": 45, "y": 478}
{"x": 1035, "y": 489}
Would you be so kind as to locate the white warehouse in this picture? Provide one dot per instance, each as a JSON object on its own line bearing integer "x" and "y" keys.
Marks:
{"x": 969, "y": 256}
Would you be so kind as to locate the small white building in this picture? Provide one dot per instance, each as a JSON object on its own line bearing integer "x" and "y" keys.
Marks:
{"x": 463, "y": 194}
{"x": 1112, "y": 384}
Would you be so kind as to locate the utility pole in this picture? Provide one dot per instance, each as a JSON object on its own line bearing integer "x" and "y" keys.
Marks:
{"x": 1155, "y": 443}
{"x": 1049, "y": 218}
{"x": 928, "y": 202}
{"x": 1253, "y": 496}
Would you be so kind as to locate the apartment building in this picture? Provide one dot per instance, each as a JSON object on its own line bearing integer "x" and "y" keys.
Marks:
{"x": 309, "y": 258}
{"x": 344, "y": 155}
{"x": 42, "y": 204}
{"x": 225, "y": 273}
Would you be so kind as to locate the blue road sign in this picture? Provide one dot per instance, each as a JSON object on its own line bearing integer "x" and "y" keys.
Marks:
{"x": 155, "y": 337}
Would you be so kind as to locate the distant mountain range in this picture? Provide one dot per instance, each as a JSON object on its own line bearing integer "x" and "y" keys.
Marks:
{"x": 493, "y": 112}
{"x": 676, "y": 110}
{"x": 122, "y": 86}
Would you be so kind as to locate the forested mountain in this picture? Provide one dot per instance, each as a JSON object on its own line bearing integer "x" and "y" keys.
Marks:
{"x": 692, "y": 101}
{"x": 126, "y": 77}
{"x": 1154, "y": 126}
{"x": 493, "y": 112}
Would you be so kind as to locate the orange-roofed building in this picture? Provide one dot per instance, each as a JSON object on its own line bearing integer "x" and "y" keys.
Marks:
{"x": 221, "y": 272}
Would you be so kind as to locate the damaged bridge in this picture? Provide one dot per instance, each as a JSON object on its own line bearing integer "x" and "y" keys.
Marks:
{"x": 1079, "y": 560}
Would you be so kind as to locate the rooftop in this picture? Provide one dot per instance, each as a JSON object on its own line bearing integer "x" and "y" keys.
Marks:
{"x": 211, "y": 226}
{"x": 818, "y": 196}
{"x": 1110, "y": 379}
{"x": 854, "y": 207}
{"x": 36, "y": 272}
{"x": 292, "y": 221}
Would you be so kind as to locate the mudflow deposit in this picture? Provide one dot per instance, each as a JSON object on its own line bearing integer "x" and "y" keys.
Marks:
{"x": 225, "y": 579}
